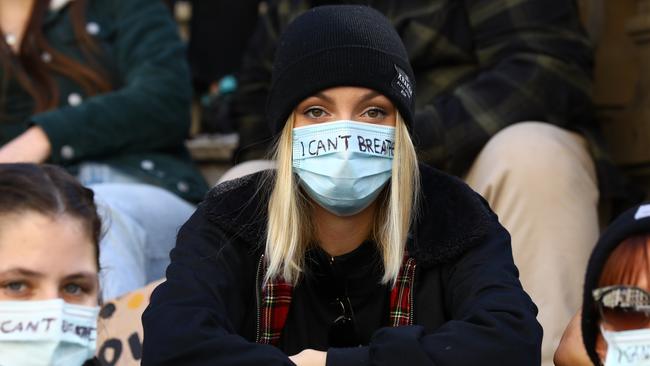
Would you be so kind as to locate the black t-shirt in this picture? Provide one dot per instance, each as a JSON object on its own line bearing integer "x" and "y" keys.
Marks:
{"x": 314, "y": 307}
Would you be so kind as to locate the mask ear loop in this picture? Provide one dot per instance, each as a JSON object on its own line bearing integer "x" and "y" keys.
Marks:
{"x": 607, "y": 335}
{"x": 609, "y": 341}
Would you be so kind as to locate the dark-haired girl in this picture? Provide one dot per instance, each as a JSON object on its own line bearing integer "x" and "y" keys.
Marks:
{"x": 49, "y": 262}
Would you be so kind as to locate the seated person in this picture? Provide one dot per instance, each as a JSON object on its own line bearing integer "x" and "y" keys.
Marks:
{"x": 49, "y": 263}
{"x": 613, "y": 327}
{"x": 350, "y": 252}
{"x": 102, "y": 88}
{"x": 504, "y": 102}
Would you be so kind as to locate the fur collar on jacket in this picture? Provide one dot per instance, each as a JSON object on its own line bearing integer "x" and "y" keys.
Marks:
{"x": 451, "y": 218}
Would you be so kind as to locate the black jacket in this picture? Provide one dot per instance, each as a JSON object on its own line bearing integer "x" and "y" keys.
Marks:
{"x": 470, "y": 308}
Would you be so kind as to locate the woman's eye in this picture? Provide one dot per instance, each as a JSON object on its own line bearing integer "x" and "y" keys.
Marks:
{"x": 15, "y": 287}
{"x": 72, "y": 289}
{"x": 315, "y": 113}
{"x": 375, "y": 113}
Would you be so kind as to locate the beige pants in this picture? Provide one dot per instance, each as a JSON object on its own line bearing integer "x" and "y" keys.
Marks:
{"x": 541, "y": 182}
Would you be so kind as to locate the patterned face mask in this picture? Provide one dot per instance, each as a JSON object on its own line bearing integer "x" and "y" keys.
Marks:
{"x": 343, "y": 165}
{"x": 626, "y": 312}
{"x": 49, "y": 332}
{"x": 628, "y": 347}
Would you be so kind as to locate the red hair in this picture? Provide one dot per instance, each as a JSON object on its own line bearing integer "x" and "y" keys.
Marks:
{"x": 627, "y": 262}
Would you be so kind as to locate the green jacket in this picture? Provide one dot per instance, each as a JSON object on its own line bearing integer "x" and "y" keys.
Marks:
{"x": 139, "y": 128}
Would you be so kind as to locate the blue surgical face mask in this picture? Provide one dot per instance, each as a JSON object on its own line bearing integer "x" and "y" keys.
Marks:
{"x": 343, "y": 165}
{"x": 48, "y": 332}
{"x": 628, "y": 347}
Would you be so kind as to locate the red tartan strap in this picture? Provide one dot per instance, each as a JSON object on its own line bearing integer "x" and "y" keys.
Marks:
{"x": 274, "y": 307}
{"x": 401, "y": 295}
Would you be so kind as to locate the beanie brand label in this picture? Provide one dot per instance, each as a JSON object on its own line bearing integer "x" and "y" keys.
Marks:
{"x": 642, "y": 212}
{"x": 402, "y": 83}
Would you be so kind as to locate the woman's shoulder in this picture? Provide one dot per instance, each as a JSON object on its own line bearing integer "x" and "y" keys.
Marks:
{"x": 239, "y": 191}
{"x": 451, "y": 218}
{"x": 240, "y": 203}
{"x": 440, "y": 188}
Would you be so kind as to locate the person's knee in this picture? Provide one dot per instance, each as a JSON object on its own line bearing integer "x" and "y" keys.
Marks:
{"x": 537, "y": 149}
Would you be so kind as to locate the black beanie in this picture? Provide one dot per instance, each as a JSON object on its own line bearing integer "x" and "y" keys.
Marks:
{"x": 635, "y": 221}
{"x": 340, "y": 45}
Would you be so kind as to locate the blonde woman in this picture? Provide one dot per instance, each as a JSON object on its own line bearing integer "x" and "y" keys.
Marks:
{"x": 349, "y": 252}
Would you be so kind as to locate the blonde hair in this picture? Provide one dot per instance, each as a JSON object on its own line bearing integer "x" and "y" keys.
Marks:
{"x": 290, "y": 230}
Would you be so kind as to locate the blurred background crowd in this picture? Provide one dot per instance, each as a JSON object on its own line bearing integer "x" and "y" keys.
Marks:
{"x": 541, "y": 106}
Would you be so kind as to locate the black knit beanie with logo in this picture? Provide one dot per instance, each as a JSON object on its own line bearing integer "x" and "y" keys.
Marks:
{"x": 635, "y": 221}
{"x": 339, "y": 45}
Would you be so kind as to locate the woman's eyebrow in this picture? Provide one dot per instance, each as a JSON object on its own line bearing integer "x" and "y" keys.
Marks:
{"x": 324, "y": 97}
{"x": 82, "y": 276}
{"x": 21, "y": 272}
{"x": 369, "y": 95}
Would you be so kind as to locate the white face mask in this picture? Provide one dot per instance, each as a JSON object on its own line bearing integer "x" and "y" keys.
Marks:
{"x": 343, "y": 165}
{"x": 629, "y": 348}
{"x": 50, "y": 332}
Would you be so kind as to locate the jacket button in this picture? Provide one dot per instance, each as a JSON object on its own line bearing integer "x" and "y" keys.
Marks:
{"x": 74, "y": 99}
{"x": 147, "y": 165}
{"x": 182, "y": 187}
{"x": 67, "y": 152}
{"x": 46, "y": 57}
{"x": 11, "y": 39}
{"x": 92, "y": 28}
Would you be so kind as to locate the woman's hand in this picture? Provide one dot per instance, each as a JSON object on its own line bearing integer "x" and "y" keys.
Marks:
{"x": 32, "y": 146}
{"x": 309, "y": 357}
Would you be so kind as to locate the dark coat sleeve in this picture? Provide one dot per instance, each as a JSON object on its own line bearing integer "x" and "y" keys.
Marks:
{"x": 492, "y": 318}
{"x": 195, "y": 316}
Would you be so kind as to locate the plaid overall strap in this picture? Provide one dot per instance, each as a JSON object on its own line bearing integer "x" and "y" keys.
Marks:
{"x": 401, "y": 295}
{"x": 273, "y": 308}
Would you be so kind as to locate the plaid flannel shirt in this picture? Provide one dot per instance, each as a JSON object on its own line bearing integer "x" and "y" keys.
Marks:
{"x": 480, "y": 66}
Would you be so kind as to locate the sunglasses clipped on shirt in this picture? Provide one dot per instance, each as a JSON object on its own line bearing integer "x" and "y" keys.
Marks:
{"x": 623, "y": 307}
{"x": 343, "y": 330}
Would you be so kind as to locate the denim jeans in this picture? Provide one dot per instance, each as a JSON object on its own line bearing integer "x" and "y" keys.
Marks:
{"x": 139, "y": 226}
